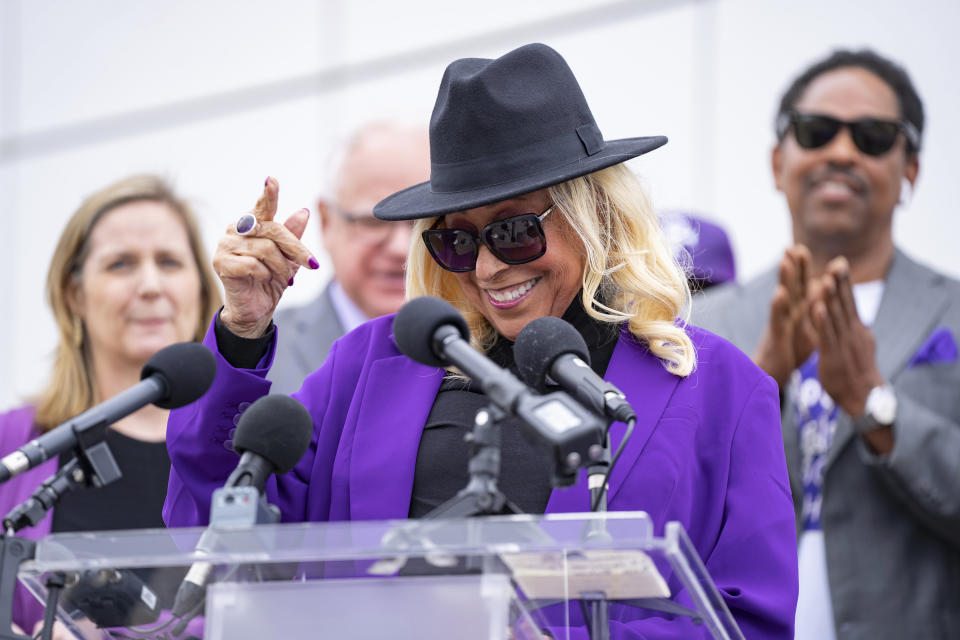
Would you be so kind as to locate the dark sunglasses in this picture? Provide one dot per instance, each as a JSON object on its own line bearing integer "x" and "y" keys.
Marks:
{"x": 513, "y": 240}
{"x": 873, "y": 136}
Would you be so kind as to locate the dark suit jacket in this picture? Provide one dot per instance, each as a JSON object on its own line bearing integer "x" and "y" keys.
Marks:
{"x": 892, "y": 524}
{"x": 304, "y": 337}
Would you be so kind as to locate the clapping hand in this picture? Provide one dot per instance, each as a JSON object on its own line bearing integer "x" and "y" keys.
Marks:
{"x": 789, "y": 338}
{"x": 848, "y": 363}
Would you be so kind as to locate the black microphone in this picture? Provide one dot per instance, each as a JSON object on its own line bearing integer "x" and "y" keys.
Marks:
{"x": 430, "y": 331}
{"x": 271, "y": 437}
{"x": 175, "y": 376}
{"x": 550, "y": 349}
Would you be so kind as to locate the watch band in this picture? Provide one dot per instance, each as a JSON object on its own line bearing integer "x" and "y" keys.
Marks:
{"x": 866, "y": 422}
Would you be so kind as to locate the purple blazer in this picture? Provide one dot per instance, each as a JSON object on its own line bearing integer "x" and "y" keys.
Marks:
{"x": 707, "y": 452}
{"x": 17, "y": 429}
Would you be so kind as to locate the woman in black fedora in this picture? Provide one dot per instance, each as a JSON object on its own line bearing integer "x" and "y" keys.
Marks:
{"x": 529, "y": 212}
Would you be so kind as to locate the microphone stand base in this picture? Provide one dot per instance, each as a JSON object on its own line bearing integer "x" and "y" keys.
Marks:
{"x": 13, "y": 551}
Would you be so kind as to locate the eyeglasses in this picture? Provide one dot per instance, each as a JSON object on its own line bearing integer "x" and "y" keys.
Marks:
{"x": 367, "y": 229}
{"x": 514, "y": 240}
{"x": 872, "y": 136}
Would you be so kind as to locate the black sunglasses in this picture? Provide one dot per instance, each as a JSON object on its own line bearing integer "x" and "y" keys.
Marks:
{"x": 513, "y": 240}
{"x": 873, "y": 136}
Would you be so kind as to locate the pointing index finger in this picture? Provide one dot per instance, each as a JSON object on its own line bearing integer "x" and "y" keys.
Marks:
{"x": 266, "y": 207}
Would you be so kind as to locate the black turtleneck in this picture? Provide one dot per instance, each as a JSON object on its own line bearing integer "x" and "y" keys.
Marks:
{"x": 441, "y": 468}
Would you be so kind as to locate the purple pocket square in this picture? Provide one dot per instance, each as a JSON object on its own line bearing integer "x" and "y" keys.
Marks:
{"x": 939, "y": 347}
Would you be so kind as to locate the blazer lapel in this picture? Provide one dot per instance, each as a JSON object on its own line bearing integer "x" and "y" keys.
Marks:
{"x": 397, "y": 397}
{"x": 648, "y": 387}
{"x": 909, "y": 310}
{"x": 755, "y": 312}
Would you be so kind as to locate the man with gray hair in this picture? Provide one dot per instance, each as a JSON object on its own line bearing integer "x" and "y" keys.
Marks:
{"x": 368, "y": 255}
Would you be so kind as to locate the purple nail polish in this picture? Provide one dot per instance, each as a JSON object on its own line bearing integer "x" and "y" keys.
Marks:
{"x": 312, "y": 263}
{"x": 267, "y": 181}
{"x": 290, "y": 282}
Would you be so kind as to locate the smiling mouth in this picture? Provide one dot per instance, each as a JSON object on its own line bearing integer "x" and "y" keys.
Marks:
{"x": 836, "y": 188}
{"x": 838, "y": 182}
{"x": 510, "y": 295}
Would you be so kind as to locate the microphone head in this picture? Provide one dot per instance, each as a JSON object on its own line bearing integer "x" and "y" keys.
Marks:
{"x": 187, "y": 370}
{"x": 540, "y": 343}
{"x": 416, "y": 323}
{"x": 277, "y": 428}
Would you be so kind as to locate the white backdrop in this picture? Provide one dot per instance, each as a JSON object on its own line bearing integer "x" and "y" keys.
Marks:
{"x": 216, "y": 95}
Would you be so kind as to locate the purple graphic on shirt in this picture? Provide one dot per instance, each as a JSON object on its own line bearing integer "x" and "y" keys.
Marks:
{"x": 815, "y": 415}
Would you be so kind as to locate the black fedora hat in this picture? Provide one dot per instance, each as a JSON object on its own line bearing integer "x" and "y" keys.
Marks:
{"x": 501, "y": 128}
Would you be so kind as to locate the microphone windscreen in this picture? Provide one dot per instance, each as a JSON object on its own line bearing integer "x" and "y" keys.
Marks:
{"x": 540, "y": 343}
{"x": 417, "y": 321}
{"x": 187, "y": 370}
{"x": 277, "y": 428}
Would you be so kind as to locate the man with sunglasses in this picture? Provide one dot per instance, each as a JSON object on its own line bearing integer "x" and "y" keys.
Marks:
{"x": 367, "y": 255}
{"x": 862, "y": 342}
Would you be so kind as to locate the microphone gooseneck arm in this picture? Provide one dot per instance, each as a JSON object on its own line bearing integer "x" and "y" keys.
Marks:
{"x": 576, "y": 376}
{"x": 71, "y": 433}
{"x": 502, "y": 387}
{"x": 252, "y": 471}
{"x": 173, "y": 377}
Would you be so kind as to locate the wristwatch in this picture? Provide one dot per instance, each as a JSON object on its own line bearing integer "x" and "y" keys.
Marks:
{"x": 880, "y": 409}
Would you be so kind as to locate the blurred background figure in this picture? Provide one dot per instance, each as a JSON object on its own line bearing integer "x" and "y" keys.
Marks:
{"x": 368, "y": 255}
{"x": 129, "y": 277}
{"x": 702, "y": 247}
{"x": 863, "y": 343}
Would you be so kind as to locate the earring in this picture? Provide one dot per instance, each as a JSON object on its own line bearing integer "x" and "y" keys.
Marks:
{"x": 77, "y": 333}
{"x": 906, "y": 193}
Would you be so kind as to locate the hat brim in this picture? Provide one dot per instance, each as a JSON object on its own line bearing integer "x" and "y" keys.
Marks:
{"x": 419, "y": 201}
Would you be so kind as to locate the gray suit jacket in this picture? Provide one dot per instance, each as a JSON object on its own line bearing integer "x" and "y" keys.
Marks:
{"x": 891, "y": 525}
{"x": 304, "y": 337}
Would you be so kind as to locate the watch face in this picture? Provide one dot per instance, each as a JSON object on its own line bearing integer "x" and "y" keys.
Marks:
{"x": 882, "y": 404}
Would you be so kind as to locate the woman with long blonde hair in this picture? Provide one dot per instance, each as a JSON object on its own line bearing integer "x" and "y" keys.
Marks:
{"x": 529, "y": 213}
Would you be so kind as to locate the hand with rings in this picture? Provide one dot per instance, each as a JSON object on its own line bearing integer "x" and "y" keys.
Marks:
{"x": 256, "y": 260}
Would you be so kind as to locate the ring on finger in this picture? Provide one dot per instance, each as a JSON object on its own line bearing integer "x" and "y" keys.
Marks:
{"x": 246, "y": 224}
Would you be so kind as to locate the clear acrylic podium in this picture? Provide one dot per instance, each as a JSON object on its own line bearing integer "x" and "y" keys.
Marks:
{"x": 489, "y": 578}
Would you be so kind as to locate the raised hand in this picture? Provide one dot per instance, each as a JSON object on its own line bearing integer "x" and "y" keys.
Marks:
{"x": 257, "y": 266}
{"x": 789, "y": 338}
{"x": 848, "y": 363}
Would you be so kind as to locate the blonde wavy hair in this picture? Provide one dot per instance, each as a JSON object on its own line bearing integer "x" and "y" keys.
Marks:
{"x": 71, "y": 390}
{"x": 630, "y": 274}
